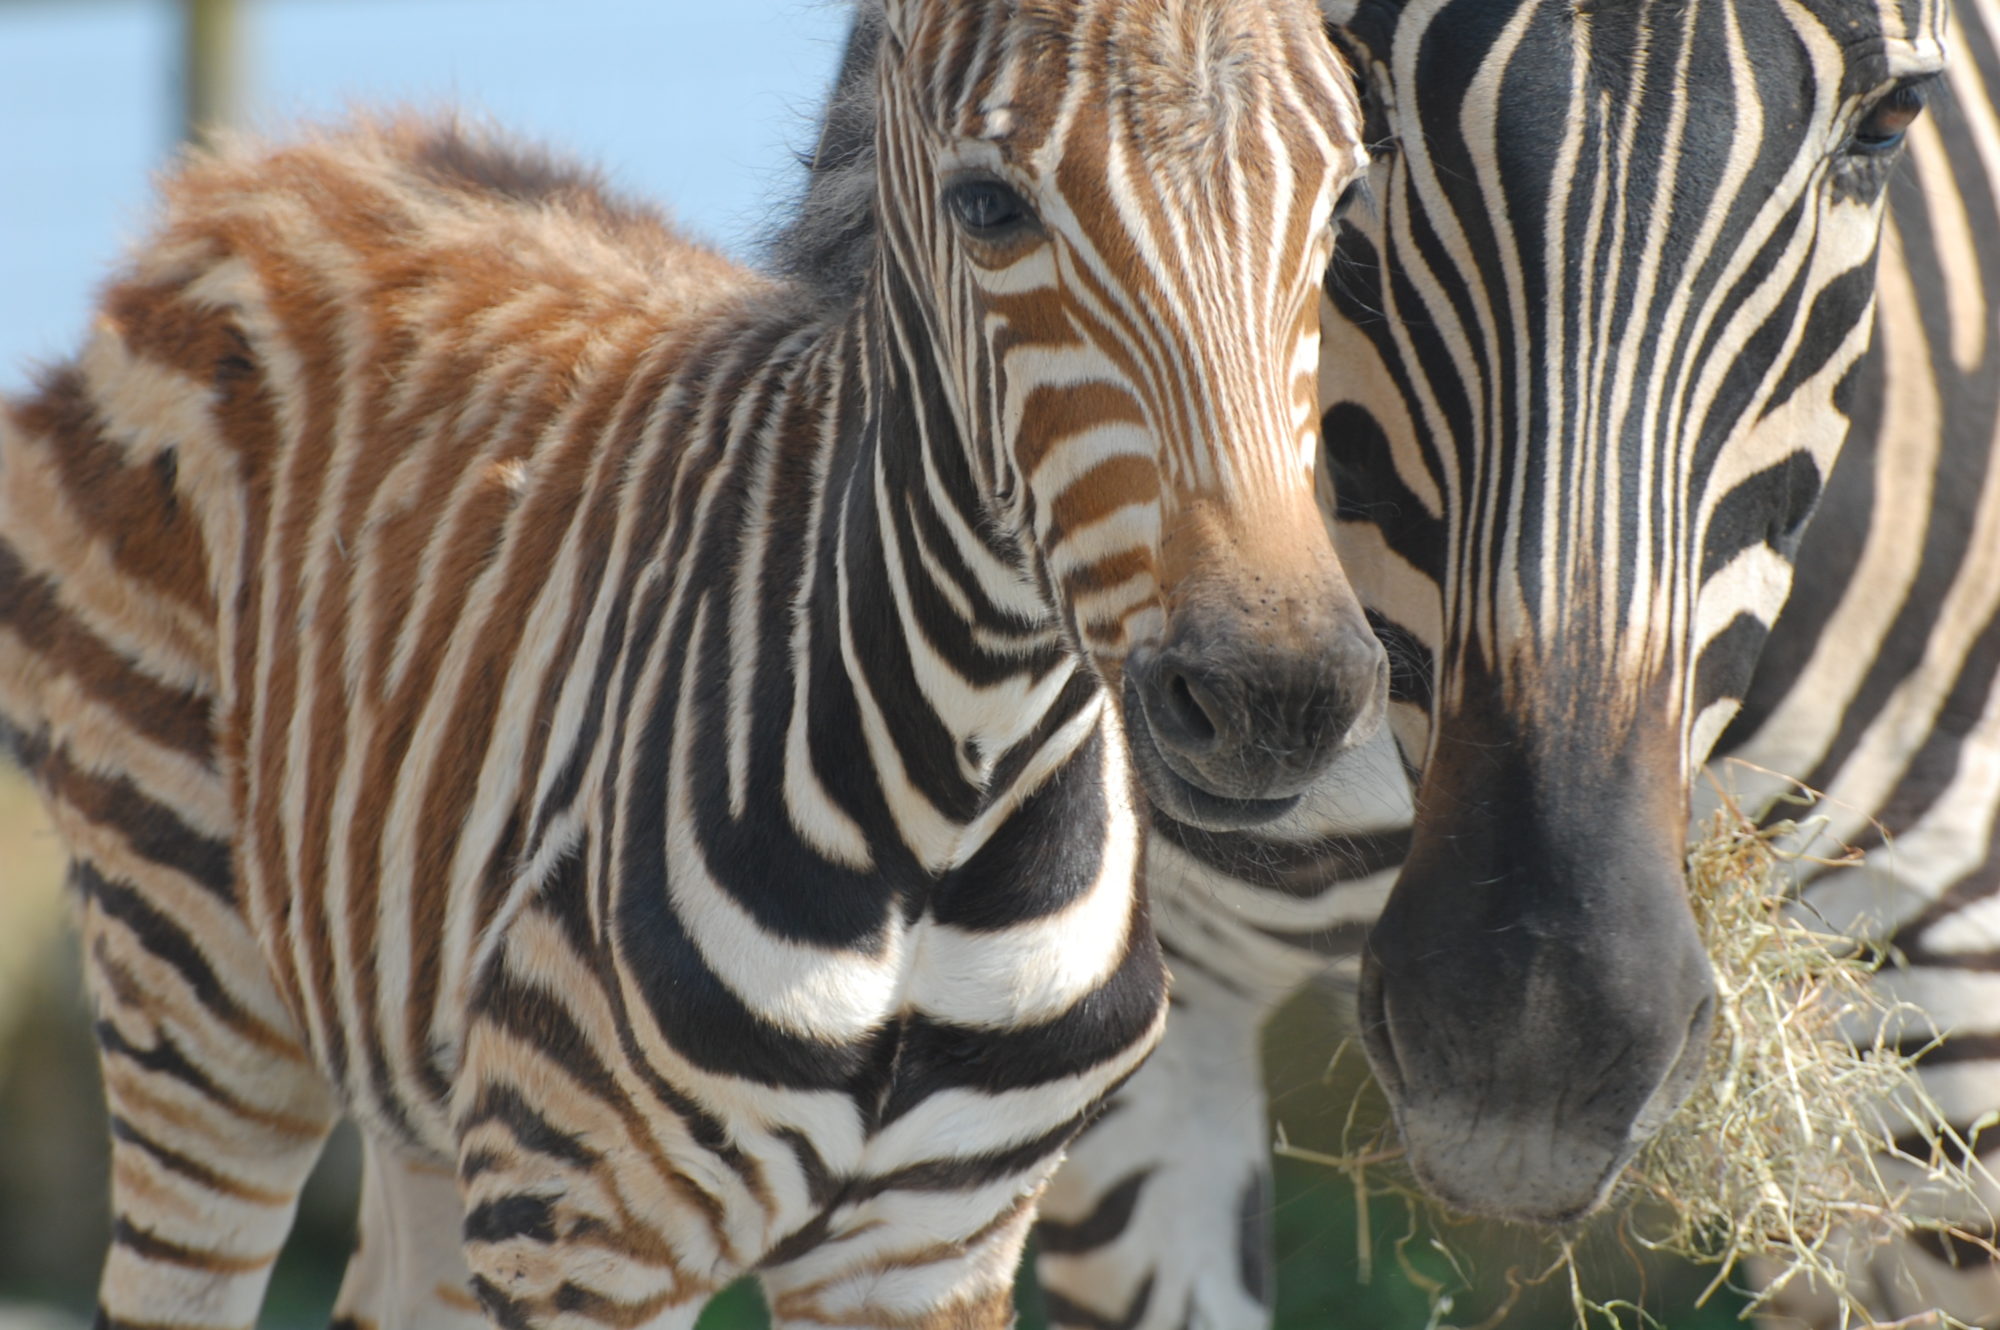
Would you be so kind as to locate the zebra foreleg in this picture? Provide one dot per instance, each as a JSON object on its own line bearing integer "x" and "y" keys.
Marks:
{"x": 408, "y": 1269}
{"x": 217, "y": 1111}
{"x": 1159, "y": 1217}
{"x": 1898, "y": 1282}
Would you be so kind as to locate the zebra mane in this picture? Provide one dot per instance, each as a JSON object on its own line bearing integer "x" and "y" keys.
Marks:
{"x": 829, "y": 241}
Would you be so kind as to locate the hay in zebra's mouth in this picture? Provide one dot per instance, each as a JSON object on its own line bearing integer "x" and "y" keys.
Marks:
{"x": 1792, "y": 1153}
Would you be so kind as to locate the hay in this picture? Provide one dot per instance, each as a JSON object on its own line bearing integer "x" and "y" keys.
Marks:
{"x": 1778, "y": 1154}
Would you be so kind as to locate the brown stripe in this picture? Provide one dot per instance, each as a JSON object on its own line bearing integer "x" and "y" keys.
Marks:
{"x": 456, "y": 1296}
{"x": 132, "y": 512}
{"x": 153, "y": 1248}
{"x": 1125, "y": 478}
{"x": 1046, "y": 406}
{"x": 1113, "y": 570}
{"x": 602, "y": 433}
{"x": 151, "y": 830}
{"x": 176, "y": 719}
{"x": 166, "y": 1059}
{"x": 174, "y": 1161}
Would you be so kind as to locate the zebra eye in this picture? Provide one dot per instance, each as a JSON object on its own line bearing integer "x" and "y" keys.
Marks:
{"x": 1883, "y": 127}
{"x": 985, "y": 207}
{"x": 1356, "y": 192}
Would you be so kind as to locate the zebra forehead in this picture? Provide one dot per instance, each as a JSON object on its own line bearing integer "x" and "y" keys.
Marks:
{"x": 1202, "y": 63}
{"x": 826, "y": 242}
{"x": 1203, "y": 52}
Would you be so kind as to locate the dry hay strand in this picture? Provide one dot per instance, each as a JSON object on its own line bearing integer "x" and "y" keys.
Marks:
{"x": 1786, "y": 1152}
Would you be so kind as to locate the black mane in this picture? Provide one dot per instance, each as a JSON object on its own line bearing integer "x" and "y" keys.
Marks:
{"x": 830, "y": 240}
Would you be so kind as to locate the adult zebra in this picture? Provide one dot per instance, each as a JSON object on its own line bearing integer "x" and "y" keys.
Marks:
{"x": 1587, "y": 218}
{"x": 651, "y": 741}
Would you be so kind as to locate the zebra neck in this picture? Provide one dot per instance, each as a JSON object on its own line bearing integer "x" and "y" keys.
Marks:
{"x": 937, "y": 630}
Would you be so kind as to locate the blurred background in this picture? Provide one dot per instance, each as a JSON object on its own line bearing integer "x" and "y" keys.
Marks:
{"x": 701, "y": 104}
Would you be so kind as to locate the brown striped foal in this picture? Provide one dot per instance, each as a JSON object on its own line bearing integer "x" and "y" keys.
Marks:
{"x": 654, "y": 741}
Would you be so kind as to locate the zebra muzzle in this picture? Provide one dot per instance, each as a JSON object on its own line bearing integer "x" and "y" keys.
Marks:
{"x": 1231, "y": 733}
{"x": 1535, "y": 998}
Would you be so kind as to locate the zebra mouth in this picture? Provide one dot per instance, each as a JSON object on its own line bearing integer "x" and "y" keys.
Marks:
{"x": 1180, "y": 798}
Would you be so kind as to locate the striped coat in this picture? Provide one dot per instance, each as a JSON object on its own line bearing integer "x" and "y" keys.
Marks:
{"x": 649, "y": 739}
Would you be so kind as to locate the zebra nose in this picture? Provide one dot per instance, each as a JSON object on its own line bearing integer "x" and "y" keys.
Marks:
{"x": 1215, "y": 722}
{"x": 1183, "y": 710}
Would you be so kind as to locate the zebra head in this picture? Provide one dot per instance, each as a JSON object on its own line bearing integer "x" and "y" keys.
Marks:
{"x": 1585, "y": 362}
{"x": 1110, "y": 218}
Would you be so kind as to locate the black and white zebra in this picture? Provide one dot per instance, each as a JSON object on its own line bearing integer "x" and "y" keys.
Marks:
{"x": 653, "y": 741}
{"x": 1604, "y": 313}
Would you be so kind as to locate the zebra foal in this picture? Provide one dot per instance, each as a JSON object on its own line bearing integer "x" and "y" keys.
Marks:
{"x": 650, "y": 740}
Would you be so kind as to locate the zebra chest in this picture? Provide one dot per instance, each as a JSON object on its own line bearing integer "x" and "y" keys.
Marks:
{"x": 757, "y": 959}
{"x": 842, "y": 1026}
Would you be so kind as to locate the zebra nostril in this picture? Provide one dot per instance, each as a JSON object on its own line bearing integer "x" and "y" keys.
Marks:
{"x": 1197, "y": 728}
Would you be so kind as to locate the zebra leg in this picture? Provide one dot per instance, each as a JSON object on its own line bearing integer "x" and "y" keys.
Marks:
{"x": 1899, "y": 1282}
{"x": 1160, "y": 1215}
{"x": 217, "y": 1109}
{"x": 408, "y": 1270}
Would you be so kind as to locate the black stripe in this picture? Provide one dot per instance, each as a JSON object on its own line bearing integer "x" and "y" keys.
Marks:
{"x": 173, "y": 1160}
{"x": 1043, "y": 858}
{"x": 503, "y": 1104}
{"x": 1254, "y": 1256}
{"x": 159, "y": 935}
{"x": 164, "y": 1058}
{"x": 970, "y": 1172}
{"x": 152, "y": 830}
{"x": 507, "y": 1313}
{"x": 177, "y": 719}
{"x": 1726, "y": 661}
{"x": 1101, "y": 1026}
{"x": 518, "y": 1216}
{"x": 150, "y": 1246}
{"x": 1104, "y": 1225}
{"x": 1067, "y": 1315}
{"x": 539, "y": 1019}
{"x": 1963, "y": 1046}
{"x": 1969, "y": 1247}
{"x": 1303, "y": 870}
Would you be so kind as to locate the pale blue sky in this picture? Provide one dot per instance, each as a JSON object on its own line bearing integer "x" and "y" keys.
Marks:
{"x": 698, "y": 104}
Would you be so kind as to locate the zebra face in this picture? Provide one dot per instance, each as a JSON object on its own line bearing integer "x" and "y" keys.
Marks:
{"x": 1112, "y": 217}
{"x": 1585, "y": 359}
